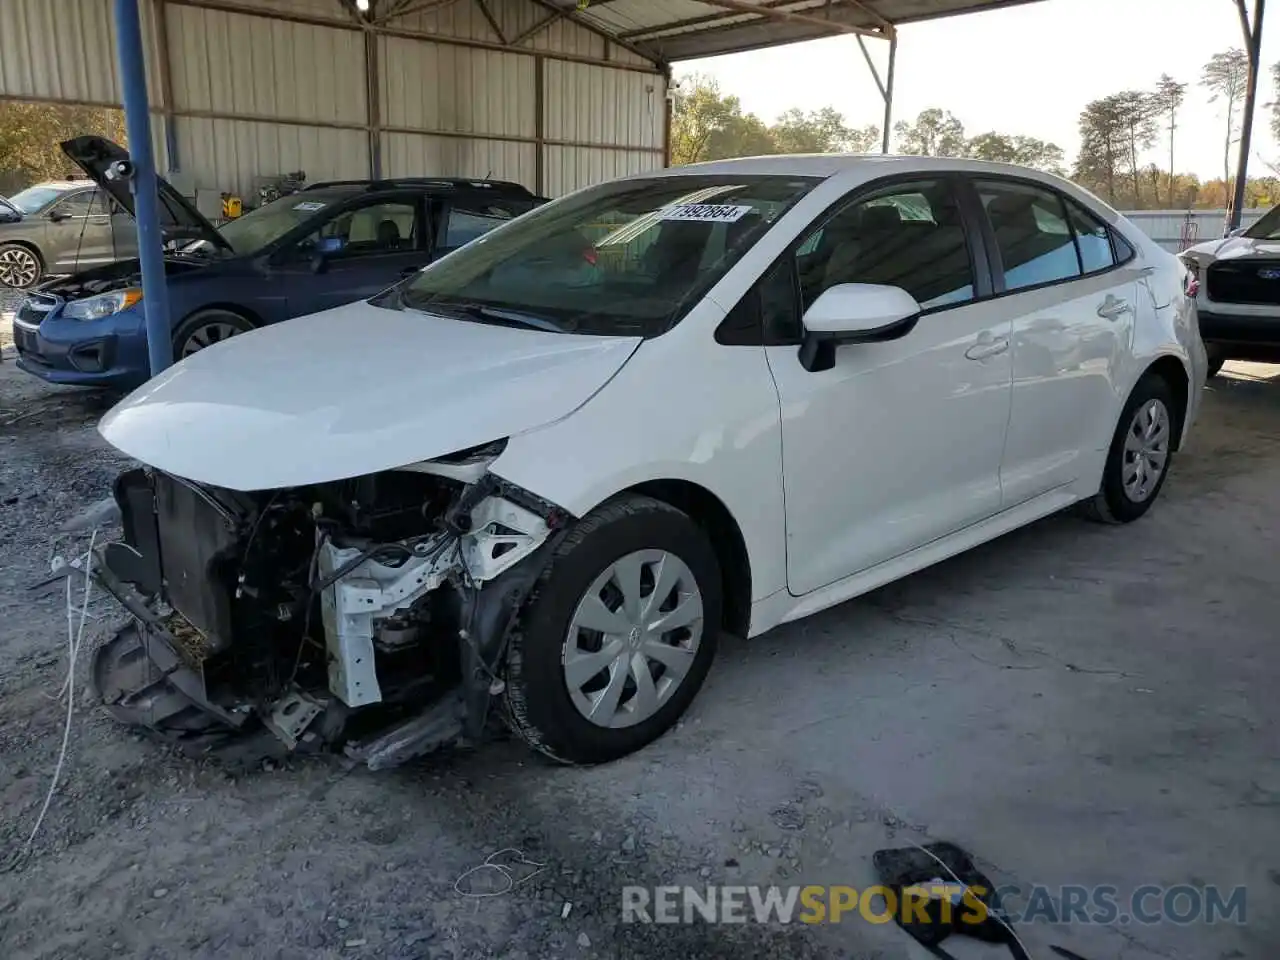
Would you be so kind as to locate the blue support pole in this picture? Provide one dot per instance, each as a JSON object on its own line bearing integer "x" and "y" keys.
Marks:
{"x": 137, "y": 121}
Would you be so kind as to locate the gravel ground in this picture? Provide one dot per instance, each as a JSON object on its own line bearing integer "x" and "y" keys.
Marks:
{"x": 1072, "y": 703}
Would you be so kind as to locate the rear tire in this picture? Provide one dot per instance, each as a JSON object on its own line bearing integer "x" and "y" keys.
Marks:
{"x": 1140, "y": 455}
{"x": 647, "y": 674}
{"x": 20, "y": 266}
{"x": 204, "y": 328}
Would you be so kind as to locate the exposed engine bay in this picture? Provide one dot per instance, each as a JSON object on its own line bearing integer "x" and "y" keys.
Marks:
{"x": 368, "y": 615}
{"x": 113, "y": 276}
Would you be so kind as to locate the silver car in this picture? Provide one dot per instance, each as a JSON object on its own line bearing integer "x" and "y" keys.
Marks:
{"x": 60, "y": 227}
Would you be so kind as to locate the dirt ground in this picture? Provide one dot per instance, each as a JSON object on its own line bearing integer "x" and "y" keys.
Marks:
{"x": 1074, "y": 704}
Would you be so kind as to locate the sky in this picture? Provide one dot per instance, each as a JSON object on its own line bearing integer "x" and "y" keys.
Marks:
{"x": 1028, "y": 70}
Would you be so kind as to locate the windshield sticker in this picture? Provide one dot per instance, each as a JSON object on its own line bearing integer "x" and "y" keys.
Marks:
{"x": 708, "y": 212}
{"x": 311, "y": 206}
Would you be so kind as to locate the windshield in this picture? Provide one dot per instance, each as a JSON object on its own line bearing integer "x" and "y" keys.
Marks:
{"x": 627, "y": 258}
{"x": 258, "y": 228}
{"x": 35, "y": 198}
{"x": 1268, "y": 228}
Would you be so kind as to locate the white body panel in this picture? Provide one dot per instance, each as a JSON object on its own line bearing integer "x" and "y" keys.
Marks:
{"x": 904, "y": 453}
{"x": 897, "y": 445}
{"x": 1066, "y": 362}
{"x": 351, "y": 391}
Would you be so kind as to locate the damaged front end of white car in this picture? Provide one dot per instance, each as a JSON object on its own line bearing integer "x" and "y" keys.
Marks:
{"x": 368, "y": 615}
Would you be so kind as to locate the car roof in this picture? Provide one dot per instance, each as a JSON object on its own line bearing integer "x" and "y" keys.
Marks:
{"x": 827, "y": 165}
{"x": 63, "y": 185}
{"x": 424, "y": 184}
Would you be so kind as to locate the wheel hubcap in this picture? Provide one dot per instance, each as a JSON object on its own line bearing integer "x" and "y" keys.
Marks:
{"x": 207, "y": 336}
{"x": 1146, "y": 450}
{"x": 18, "y": 268}
{"x": 633, "y": 638}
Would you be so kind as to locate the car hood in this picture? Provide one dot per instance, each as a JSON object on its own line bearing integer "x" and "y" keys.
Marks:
{"x": 97, "y": 157}
{"x": 352, "y": 391}
{"x": 1235, "y": 248}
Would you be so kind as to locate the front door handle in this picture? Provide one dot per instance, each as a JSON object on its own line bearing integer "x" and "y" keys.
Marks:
{"x": 987, "y": 346}
{"x": 1113, "y": 308}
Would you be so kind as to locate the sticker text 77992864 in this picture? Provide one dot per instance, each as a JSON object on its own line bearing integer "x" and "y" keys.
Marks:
{"x": 708, "y": 212}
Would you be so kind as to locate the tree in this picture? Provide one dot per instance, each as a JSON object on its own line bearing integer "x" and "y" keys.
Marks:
{"x": 1102, "y": 146}
{"x": 1226, "y": 76}
{"x": 1136, "y": 112}
{"x": 30, "y": 134}
{"x": 936, "y": 133}
{"x": 1022, "y": 150}
{"x": 1275, "y": 104}
{"x": 821, "y": 131}
{"x": 1166, "y": 101}
{"x": 706, "y": 125}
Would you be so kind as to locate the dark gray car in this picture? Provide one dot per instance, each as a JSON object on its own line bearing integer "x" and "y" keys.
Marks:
{"x": 61, "y": 228}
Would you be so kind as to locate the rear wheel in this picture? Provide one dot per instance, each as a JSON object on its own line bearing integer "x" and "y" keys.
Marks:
{"x": 20, "y": 266}
{"x": 618, "y": 635}
{"x": 1138, "y": 461}
{"x": 204, "y": 328}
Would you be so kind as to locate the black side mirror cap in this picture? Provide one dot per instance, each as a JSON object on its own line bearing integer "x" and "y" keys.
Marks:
{"x": 818, "y": 350}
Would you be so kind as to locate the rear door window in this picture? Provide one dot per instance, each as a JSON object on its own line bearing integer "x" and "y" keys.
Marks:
{"x": 1032, "y": 233}
{"x": 1093, "y": 237}
{"x": 469, "y": 220}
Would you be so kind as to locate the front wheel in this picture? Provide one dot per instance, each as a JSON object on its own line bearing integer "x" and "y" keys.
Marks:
{"x": 20, "y": 266}
{"x": 618, "y": 636}
{"x": 204, "y": 328}
{"x": 1138, "y": 460}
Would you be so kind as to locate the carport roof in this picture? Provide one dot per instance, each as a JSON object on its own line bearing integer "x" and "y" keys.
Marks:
{"x": 669, "y": 30}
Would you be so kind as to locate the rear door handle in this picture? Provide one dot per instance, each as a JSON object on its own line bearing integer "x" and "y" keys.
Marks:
{"x": 1113, "y": 308}
{"x": 987, "y": 346}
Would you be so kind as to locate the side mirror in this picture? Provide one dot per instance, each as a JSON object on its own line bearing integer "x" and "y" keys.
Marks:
{"x": 323, "y": 250}
{"x": 1237, "y": 232}
{"x": 854, "y": 313}
{"x": 57, "y": 216}
{"x": 319, "y": 261}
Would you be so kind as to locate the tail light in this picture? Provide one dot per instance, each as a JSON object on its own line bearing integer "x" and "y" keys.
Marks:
{"x": 1191, "y": 278}
{"x": 590, "y": 255}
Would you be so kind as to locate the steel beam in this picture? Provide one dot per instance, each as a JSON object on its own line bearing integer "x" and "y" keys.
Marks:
{"x": 130, "y": 51}
{"x": 888, "y": 93}
{"x": 786, "y": 16}
{"x": 1253, "y": 41}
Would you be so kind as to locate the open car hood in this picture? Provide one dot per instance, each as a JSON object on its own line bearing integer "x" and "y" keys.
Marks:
{"x": 352, "y": 391}
{"x": 96, "y": 156}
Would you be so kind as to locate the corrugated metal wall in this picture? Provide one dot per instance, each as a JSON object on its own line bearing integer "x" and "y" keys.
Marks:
{"x": 1168, "y": 227}
{"x": 262, "y": 87}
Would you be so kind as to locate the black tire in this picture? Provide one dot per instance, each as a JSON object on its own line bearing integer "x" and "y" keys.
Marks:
{"x": 537, "y": 702}
{"x": 200, "y": 324}
{"x": 1215, "y": 366}
{"x": 1112, "y": 504}
{"x": 21, "y": 255}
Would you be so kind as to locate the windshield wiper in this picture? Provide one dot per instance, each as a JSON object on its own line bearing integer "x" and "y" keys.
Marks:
{"x": 487, "y": 314}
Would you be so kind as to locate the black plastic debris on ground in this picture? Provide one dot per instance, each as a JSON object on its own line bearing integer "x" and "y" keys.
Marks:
{"x": 942, "y": 870}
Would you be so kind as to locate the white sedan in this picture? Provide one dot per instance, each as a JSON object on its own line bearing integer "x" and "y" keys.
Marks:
{"x": 544, "y": 473}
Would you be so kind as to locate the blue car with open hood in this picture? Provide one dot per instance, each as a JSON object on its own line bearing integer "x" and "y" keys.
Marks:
{"x": 333, "y": 243}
